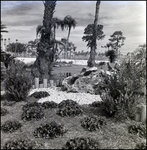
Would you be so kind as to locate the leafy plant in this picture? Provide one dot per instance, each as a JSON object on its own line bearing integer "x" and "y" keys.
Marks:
{"x": 17, "y": 82}
{"x": 21, "y": 144}
{"x": 82, "y": 143}
{"x": 67, "y": 102}
{"x": 10, "y": 126}
{"x": 69, "y": 111}
{"x": 139, "y": 129}
{"x": 49, "y": 131}
{"x": 3, "y": 111}
{"x": 32, "y": 111}
{"x": 93, "y": 123}
{"x": 141, "y": 146}
{"x": 48, "y": 104}
{"x": 40, "y": 94}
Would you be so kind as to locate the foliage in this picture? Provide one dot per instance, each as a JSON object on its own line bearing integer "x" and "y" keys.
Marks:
{"x": 96, "y": 104}
{"x": 3, "y": 111}
{"x": 67, "y": 102}
{"x": 116, "y": 40}
{"x": 32, "y": 111}
{"x": 2, "y": 28}
{"x": 111, "y": 54}
{"x": 25, "y": 144}
{"x": 88, "y": 31}
{"x": 82, "y": 143}
{"x": 16, "y": 47}
{"x": 49, "y": 131}
{"x": 48, "y": 104}
{"x": 141, "y": 146}
{"x": 69, "y": 111}
{"x": 119, "y": 91}
{"x": 93, "y": 123}
{"x": 139, "y": 129}
{"x": 101, "y": 63}
{"x": 40, "y": 94}
{"x": 17, "y": 82}
{"x": 10, "y": 126}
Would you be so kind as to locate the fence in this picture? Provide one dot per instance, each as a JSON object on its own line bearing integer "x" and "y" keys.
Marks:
{"x": 50, "y": 83}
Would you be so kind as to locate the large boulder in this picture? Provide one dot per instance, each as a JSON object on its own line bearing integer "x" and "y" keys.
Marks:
{"x": 84, "y": 82}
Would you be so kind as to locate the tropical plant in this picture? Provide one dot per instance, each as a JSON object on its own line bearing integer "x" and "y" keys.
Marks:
{"x": 45, "y": 55}
{"x": 93, "y": 32}
{"x": 111, "y": 54}
{"x": 40, "y": 94}
{"x": 117, "y": 40}
{"x": 2, "y": 28}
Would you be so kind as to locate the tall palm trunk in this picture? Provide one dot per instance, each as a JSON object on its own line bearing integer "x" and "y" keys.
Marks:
{"x": 43, "y": 65}
{"x": 91, "y": 61}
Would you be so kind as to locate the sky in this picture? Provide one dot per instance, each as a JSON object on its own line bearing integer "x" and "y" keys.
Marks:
{"x": 22, "y": 18}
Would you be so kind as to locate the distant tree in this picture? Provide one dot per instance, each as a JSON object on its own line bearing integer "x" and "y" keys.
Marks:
{"x": 20, "y": 48}
{"x": 2, "y": 28}
{"x": 117, "y": 40}
{"x": 111, "y": 54}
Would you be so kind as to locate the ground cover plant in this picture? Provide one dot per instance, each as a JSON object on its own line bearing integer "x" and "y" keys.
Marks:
{"x": 32, "y": 111}
{"x": 69, "y": 108}
{"x": 93, "y": 123}
{"x": 10, "y": 126}
{"x": 48, "y": 104}
{"x": 40, "y": 94}
{"x": 82, "y": 143}
{"x": 4, "y": 111}
{"x": 141, "y": 146}
{"x": 49, "y": 130}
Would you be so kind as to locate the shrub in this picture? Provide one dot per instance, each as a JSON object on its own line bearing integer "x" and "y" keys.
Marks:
{"x": 139, "y": 129}
{"x": 119, "y": 90}
{"x": 10, "y": 126}
{"x": 48, "y": 104}
{"x": 93, "y": 123}
{"x": 69, "y": 111}
{"x": 96, "y": 104}
{"x": 141, "y": 146}
{"x": 49, "y": 131}
{"x": 40, "y": 94}
{"x": 32, "y": 111}
{"x": 101, "y": 63}
{"x": 3, "y": 111}
{"x": 20, "y": 144}
{"x": 82, "y": 143}
{"x": 67, "y": 102}
{"x": 17, "y": 82}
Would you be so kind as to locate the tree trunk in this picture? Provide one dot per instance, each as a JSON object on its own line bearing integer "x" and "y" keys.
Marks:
{"x": 91, "y": 61}
{"x": 43, "y": 65}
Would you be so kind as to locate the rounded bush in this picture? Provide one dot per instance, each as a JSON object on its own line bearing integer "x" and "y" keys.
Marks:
{"x": 70, "y": 111}
{"x": 67, "y": 102}
{"x": 141, "y": 146}
{"x": 48, "y": 104}
{"x": 40, "y": 94}
{"x": 139, "y": 129}
{"x": 93, "y": 123}
{"x": 96, "y": 104}
{"x": 3, "y": 111}
{"x": 10, "y": 126}
{"x": 49, "y": 131}
{"x": 82, "y": 143}
{"x": 32, "y": 111}
{"x": 20, "y": 144}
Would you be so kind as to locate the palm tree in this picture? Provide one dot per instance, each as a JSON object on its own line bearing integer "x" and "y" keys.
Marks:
{"x": 91, "y": 61}
{"x": 3, "y": 27}
{"x": 69, "y": 22}
{"x": 43, "y": 65}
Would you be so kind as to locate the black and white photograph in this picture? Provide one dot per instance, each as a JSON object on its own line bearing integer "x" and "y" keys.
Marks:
{"x": 73, "y": 74}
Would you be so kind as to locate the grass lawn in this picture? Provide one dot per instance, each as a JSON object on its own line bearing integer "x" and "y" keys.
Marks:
{"x": 114, "y": 135}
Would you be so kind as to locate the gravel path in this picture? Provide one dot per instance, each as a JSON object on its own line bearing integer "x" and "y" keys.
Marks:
{"x": 57, "y": 96}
